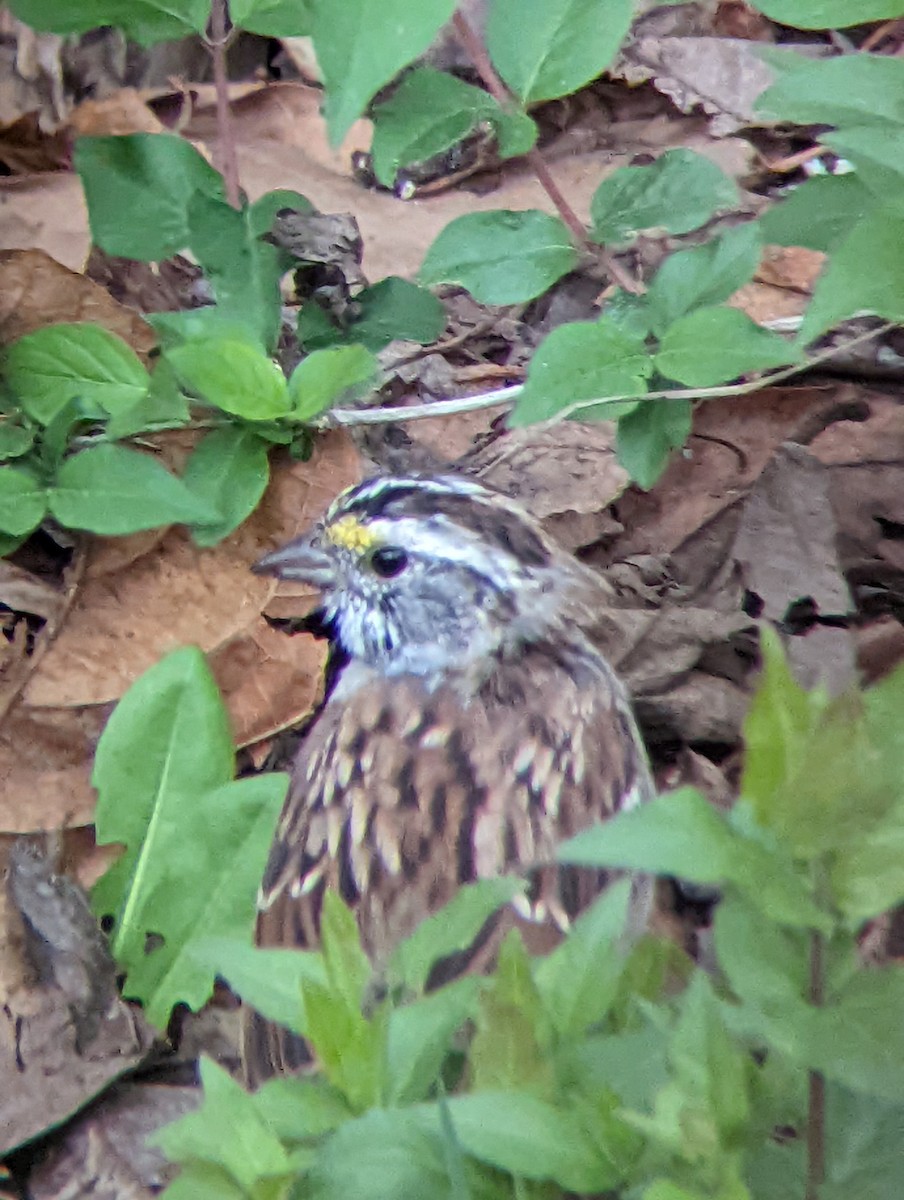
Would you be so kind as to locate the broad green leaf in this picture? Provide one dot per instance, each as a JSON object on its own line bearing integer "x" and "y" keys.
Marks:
{"x": 111, "y": 490}
{"x": 648, "y": 435}
{"x": 16, "y": 438}
{"x": 271, "y": 18}
{"x": 704, "y": 275}
{"x": 229, "y": 470}
{"x": 325, "y": 376}
{"x": 548, "y": 48}
{"x": 715, "y": 345}
{"x": 766, "y": 966}
{"x": 297, "y": 1108}
{"x": 819, "y": 213}
{"x": 501, "y": 257}
{"x": 350, "y": 1048}
{"x": 430, "y": 112}
{"x": 875, "y": 151}
{"x": 23, "y": 502}
{"x": 204, "y": 862}
{"x": 632, "y": 1065}
{"x": 270, "y": 980}
{"x": 829, "y": 14}
{"x": 260, "y": 214}
{"x": 48, "y": 368}
{"x": 227, "y": 1130}
{"x": 362, "y": 44}
{"x": 578, "y": 980}
{"x": 419, "y": 1039}
{"x": 243, "y": 270}
{"x": 583, "y": 360}
{"x": 146, "y": 22}
{"x": 679, "y": 192}
{"x": 865, "y": 273}
{"x": 232, "y": 375}
{"x": 852, "y": 89}
{"x": 164, "y": 406}
{"x": 395, "y": 309}
{"x": 451, "y": 930}
{"x": 150, "y": 176}
{"x": 510, "y": 1026}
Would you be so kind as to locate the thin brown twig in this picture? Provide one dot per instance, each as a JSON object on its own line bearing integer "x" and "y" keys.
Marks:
{"x": 227, "y": 159}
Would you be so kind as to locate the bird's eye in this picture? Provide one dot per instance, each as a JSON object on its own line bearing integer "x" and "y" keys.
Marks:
{"x": 389, "y": 561}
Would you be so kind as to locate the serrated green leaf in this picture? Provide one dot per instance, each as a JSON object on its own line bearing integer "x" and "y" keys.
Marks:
{"x": 451, "y": 930}
{"x": 583, "y": 360}
{"x": 703, "y": 276}
{"x": 648, "y": 435}
{"x": 819, "y": 213}
{"x": 48, "y": 368}
{"x": 715, "y": 345}
{"x": 268, "y": 979}
{"x": 501, "y": 257}
{"x": 865, "y": 273}
{"x": 23, "y": 502}
{"x": 229, "y": 470}
{"x": 560, "y": 44}
{"x": 325, "y": 376}
{"x": 362, "y": 44}
{"x": 227, "y": 1130}
{"x": 112, "y": 491}
{"x": 146, "y": 23}
{"x": 677, "y": 193}
{"x": 150, "y": 176}
{"x": 232, "y": 375}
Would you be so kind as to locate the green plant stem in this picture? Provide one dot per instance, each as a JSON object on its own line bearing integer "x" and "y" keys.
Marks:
{"x": 816, "y": 1102}
{"x": 227, "y": 160}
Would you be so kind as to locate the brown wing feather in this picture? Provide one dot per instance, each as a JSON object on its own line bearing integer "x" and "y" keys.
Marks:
{"x": 400, "y": 794}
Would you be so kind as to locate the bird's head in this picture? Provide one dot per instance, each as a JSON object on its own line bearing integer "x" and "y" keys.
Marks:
{"x": 422, "y": 573}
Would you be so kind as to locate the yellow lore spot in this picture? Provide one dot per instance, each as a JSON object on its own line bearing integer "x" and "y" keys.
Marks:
{"x": 351, "y": 534}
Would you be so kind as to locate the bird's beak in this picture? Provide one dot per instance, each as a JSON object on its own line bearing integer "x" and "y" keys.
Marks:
{"x": 303, "y": 560}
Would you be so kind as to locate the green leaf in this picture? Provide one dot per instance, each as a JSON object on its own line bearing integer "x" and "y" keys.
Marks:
{"x": 150, "y": 176}
{"x": 430, "y": 112}
{"x": 715, "y": 345}
{"x": 23, "y": 502}
{"x": 395, "y": 309}
{"x": 112, "y": 491}
{"x": 350, "y": 1048}
{"x": 648, "y": 435}
{"x": 325, "y": 376}
{"x": 677, "y": 193}
{"x": 501, "y": 257}
{"x": 829, "y": 14}
{"x": 298, "y": 1108}
{"x": 583, "y": 360}
{"x": 766, "y": 966}
{"x": 559, "y": 45}
{"x": 243, "y": 270}
{"x": 511, "y": 1023}
{"x": 856, "y": 89}
{"x": 271, "y": 18}
{"x": 819, "y": 213}
{"x": 451, "y": 930}
{"x": 420, "y": 1037}
{"x": 704, "y": 275}
{"x": 229, "y": 470}
{"x": 164, "y": 406}
{"x": 865, "y": 272}
{"x": 347, "y": 966}
{"x": 875, "y": 152}
{"x": 362, "y": 44}
{"x": 16, "y": 438}
{"x": 232, "y": 375}
{"x": 261, "y": 213}
{"x": 48, "y": 368}
{"x": 146, "y": 23}
{"x": 578, "y": 980}
{"x": 270, "y": 980}
{"x": 227, "y": 1130}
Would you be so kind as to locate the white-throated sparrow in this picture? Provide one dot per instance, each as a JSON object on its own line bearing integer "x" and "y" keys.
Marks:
{"x": 469, "y": 723}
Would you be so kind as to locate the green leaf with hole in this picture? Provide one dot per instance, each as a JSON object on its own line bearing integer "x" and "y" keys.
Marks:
{"x": 501, "y": 257}
{"x": 716, "y": 345}
{"x": 23, "y": 502}
{"x": 111, "y": 490}
{"x": 325, "y": 376}
{"x": 362, "y": 44}
{"x": 151, "y": 177}
{"x": 232, "y": 375}
{"x": 583, "y": 360}
{"x": 228, "y": 469}
{"x": 558, "y": 46}
{"x": 81, "y": 361}
{"x": 677, "y": 193}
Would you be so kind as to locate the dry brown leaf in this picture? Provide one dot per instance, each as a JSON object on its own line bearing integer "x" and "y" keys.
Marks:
{"x": 35, "y": 291}
{"x": 123, "y": 112}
